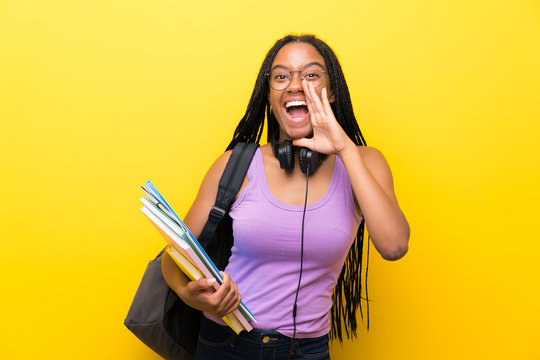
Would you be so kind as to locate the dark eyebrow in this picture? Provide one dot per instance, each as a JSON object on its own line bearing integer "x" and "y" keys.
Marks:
{"x": 305, "y": 66}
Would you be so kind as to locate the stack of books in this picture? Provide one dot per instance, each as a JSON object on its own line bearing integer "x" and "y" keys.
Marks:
{"x": 186, "y": 251}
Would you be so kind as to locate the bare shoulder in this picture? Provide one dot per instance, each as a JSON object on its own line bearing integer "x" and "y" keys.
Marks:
{"x": 210, "y": 183}
{"x": 217, "y": 168}
{"x": 378, "y": 166}
{"x": 373, "y": 158}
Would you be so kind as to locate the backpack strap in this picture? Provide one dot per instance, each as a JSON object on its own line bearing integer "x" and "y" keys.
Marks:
{"x": 229, "y": 184}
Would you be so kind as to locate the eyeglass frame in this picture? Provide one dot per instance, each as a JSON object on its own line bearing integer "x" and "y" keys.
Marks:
{"x": 298, "y": 71}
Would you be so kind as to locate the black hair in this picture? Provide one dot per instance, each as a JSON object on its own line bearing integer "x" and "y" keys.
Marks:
{"x": 347, "y": 293}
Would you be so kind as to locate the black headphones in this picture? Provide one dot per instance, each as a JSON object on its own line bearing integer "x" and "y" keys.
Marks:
{"x": 285, "y": 153}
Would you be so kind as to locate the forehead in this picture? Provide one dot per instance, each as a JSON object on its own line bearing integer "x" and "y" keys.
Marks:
{"x": 296, "y": 55}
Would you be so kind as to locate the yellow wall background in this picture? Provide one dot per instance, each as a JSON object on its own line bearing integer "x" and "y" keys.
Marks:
{"x": 98, "y": 96}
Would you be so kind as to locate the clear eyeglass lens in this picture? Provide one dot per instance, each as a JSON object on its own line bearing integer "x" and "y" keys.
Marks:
{"x": 313, "y": 74}
{"x": 281, "y": 78}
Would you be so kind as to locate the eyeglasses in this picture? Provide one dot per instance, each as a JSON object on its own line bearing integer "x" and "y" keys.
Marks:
{"x": 280, "y": 78}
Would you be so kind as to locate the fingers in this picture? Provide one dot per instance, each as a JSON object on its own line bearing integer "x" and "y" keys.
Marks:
{"x": 316, "y": 100}
{"x": 313, "y": 99}
{"x": 326, "y": 103}
{"x": 201, "y": 284}
{"x": 304, "y": 142}
{"x": 318, "y": 107}
{"x": 227, "y": 297}
{"x": 231, "y": 301}
{"x": 309, "y": 101}
{"x": 201, "y": 295}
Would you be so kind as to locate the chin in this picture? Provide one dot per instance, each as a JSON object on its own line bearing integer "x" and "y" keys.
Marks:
{"x": 293, "y": 134}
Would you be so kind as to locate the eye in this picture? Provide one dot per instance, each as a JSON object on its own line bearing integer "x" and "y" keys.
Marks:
{"x": 312, "y": 76}
{"x": 280, "y": 76}
{"x": 312, "y": 73}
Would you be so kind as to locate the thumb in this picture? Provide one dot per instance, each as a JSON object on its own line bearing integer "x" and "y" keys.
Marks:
{"x": 201, "y": 284}
{"x": 304, "y": 142}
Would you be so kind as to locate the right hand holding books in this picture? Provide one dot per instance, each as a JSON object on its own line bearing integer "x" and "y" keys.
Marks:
{"x": 203, "y": 295}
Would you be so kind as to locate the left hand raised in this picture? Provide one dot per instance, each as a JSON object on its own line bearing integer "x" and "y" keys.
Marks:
{"x": 328, "y": 136}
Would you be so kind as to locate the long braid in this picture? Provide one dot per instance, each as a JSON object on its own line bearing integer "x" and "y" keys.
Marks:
{"x": 347, "y": 298}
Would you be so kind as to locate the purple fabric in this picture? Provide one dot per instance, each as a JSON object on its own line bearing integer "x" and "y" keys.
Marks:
{"x": 265, "y": 261}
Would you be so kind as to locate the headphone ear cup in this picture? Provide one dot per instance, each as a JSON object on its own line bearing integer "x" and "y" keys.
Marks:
{"x": 289, "y": 154}
{"x": 307, "y": 157}
{"x": 285, "y": 154}
{"x": 304, "y": 158}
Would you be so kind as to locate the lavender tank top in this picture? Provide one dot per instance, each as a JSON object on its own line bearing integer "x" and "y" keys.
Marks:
{"x": 265, "y": 260}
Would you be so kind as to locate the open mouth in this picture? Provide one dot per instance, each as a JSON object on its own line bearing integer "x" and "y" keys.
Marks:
{"x": 297, "y": 110}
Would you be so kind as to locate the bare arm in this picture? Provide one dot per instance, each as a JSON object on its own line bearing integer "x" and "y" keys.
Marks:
{"x": 373, "y": 187}
{"x": 199, "y": 294}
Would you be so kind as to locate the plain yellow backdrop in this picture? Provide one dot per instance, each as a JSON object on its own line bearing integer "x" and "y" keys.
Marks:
{"x": 96, "y": 97}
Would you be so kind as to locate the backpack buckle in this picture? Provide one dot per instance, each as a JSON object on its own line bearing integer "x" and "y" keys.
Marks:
{"x": 216, "y": 214}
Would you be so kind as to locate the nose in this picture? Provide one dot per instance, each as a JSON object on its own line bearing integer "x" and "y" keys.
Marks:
{"x": 296, "y": 81}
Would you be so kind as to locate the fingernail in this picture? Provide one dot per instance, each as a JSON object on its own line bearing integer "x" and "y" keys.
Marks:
{"x": 210, "y": 281}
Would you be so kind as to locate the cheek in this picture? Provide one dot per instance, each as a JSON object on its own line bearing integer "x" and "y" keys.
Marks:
{"x": 274, "y": 101}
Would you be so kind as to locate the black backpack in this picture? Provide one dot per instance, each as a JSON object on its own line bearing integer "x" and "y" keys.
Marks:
{"x": 157, "y": 316}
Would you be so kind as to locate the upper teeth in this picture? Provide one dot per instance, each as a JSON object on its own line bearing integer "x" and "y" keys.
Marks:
{"x": 295, "y": 103}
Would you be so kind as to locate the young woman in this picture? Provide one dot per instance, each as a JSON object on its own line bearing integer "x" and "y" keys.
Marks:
{"x": 287, "y": 259}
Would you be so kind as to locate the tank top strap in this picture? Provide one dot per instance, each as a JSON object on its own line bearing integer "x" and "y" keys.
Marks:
{"x": 256, "y": 169}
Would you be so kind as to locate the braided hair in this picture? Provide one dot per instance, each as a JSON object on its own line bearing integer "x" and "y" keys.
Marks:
{"x": 347, "y": 293}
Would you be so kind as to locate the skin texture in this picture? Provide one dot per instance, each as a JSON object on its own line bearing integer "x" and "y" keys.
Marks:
{"x": 368, "y": 171}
